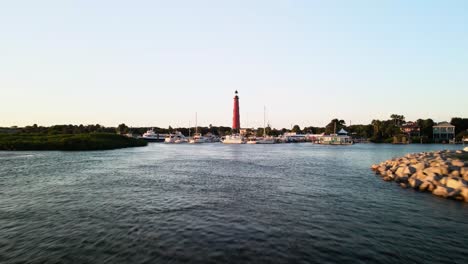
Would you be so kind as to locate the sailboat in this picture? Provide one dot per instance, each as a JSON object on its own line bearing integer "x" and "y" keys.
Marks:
{"x": 197, "y": 137}
{"x": 266, "y": 139}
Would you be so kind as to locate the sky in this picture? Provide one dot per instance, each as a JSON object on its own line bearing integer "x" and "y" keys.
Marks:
{"x": 157, "y": 63}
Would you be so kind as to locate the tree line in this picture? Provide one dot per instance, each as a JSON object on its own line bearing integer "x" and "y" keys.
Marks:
{"x": 377, "y": 131}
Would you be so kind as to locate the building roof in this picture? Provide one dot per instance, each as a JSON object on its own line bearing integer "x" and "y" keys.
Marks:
{"x": 342, "y": 132}
{"x": 410, "y": 124}
{"x": 444, "y": 124}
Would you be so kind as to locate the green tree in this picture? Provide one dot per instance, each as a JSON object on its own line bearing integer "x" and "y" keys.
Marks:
{"x": 330, "y": 128}
{"x": 296, "y": 129}
{"x": 425, "y": 128}
{"x": 122, "y": 129}
{"x": 377, "y": 135}
{"x": 461, "y": 126}
{"x": 398, "y": 120}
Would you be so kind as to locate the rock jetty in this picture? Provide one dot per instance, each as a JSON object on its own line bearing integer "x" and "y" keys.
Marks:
{"x": 443, "y": 173}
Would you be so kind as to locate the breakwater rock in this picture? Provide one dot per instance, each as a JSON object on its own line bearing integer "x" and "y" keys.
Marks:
{"x": 443, "y": 173}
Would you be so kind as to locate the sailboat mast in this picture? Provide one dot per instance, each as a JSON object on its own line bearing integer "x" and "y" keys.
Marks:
{"x": 264, "y": 125}
{"x": 196, "y": 123}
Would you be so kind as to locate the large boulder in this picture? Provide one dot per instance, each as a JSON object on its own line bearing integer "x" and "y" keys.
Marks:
{"x": 444, "y": 170}
{"x": 403, "y": 179}
{"x": 402, "y": 171}
{"x": 464, "y": 193}
{"x": 454, "y": 183}
{"x": 420, "y": 175}
{"x": 418, "y": 166}
{"x": 454, "y": 193}
{"x": 382, "y": 170}
{"x": 458, "y": 163}
{"x": 435, "y": 170}
{"x": 427, "y": 186}
{"x": 441, "y": 191}
{"x": 415, "y": 183}
{"x": 443, "y": 181}
{"x": 455, "y": 173}
{"x": 463, "y": 170}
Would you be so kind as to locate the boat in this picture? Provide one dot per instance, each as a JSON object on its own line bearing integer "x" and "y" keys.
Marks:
{"x": 150, "y": 136}
{"x": 176, "y": 138}
{"x": 265, "y": 139}
{"x": 197, "y": 137}
{"x": 252, "y": 140}
{"x": 234, "y": 139}
{"x": 210, "y": 138}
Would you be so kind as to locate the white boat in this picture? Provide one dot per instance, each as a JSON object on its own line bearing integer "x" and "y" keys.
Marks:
{"x": 153, "y": 137}
{"x": 210, "y": 138}
{"x": 252, "y": 140}
{"x": 266, "y": 139}
{"x": 176, "y": 138}
{"x": 197, "y": 137}
{"x": 234, "y": 139}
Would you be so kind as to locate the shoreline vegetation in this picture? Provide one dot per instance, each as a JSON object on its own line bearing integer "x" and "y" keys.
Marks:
{"x": 98, "y": 137}
{"x": 378, "y": 131}
{"x": 442, "y": 173}
{"x": 68, "y": 142}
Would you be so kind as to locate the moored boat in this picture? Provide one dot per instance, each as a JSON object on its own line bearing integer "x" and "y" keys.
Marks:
{"x": 234, "y": 139}
{"x": 197, "y": 139}
{"x": 252, "y": 140}
{"x": 151, "y": 136}
{"x": 266, "y": 140}
{"x": 176, "y": 138}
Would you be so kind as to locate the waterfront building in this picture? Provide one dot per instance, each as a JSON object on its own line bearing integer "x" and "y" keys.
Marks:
{"x": 293, "y": 137}
{"x": 443, "y": 132}
{"x": 341, "y": 138}
{"x": 411, "y": 129}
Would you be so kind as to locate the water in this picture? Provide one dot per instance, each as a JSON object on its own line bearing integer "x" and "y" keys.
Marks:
{"x": 290, "y": 203}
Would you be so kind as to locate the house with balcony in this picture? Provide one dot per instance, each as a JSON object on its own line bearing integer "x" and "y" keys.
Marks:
{"x": 411, "y": 129}
{"x": 443, "y": 132}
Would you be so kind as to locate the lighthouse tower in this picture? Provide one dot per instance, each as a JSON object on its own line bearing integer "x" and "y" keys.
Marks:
{"x": 236, "y": 116}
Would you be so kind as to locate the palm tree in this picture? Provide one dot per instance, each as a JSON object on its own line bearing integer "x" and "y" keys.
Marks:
{"x": 377, "y": 124}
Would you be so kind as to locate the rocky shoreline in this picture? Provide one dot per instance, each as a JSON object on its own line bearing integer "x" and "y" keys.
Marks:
{"x": 443, "y": 173}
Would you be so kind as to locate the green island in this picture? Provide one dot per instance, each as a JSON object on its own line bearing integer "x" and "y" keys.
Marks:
{"x": 68, "y": 142}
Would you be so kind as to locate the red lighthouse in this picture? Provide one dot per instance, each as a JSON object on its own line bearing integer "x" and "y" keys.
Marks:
{"x": 236, "y": 115}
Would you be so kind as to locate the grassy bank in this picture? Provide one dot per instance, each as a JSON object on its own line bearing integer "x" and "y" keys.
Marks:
{"x": 91, "y": 141}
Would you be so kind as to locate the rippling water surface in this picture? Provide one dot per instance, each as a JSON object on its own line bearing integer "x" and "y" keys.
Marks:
{"x": 214, "y": 203}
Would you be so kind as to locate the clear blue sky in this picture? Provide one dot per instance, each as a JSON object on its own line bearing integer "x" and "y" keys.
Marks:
{"x": 156, "y": 63}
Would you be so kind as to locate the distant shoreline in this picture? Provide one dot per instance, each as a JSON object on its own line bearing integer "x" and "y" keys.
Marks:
{"x": 67, "y": 142}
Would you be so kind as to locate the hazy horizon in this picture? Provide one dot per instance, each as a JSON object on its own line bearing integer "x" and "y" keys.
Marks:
{"x": 156, "y": 63}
